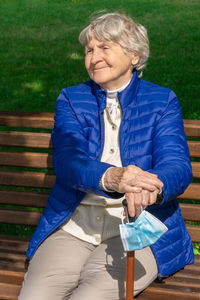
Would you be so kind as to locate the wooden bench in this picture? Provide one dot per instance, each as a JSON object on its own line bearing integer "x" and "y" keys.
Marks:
{"x": 26, "y": 177}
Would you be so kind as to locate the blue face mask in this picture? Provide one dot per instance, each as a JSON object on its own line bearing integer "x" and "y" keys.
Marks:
{"x": 145, "y": 231}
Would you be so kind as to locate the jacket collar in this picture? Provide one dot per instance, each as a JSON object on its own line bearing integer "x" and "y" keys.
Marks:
{"x": 125, "y": 97}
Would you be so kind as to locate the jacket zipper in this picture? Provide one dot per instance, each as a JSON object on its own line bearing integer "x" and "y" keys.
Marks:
{"x": 120, "y": 139}
{"x": 102, "y": 137}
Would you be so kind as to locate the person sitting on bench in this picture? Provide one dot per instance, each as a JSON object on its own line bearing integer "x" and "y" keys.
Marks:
{"x": 115, "y": 136}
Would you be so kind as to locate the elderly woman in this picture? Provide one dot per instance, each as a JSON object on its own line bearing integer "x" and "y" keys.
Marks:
{"x": 115, "y": 136}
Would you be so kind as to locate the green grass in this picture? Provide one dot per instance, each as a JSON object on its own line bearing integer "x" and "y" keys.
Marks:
{"x": 40, "y": 53}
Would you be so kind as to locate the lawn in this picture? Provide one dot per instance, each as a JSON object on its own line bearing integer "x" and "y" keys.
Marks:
{"x": 40, "y": 53}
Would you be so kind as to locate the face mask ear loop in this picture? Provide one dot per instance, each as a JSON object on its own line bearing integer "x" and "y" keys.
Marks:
{"x": 122, "y": 215}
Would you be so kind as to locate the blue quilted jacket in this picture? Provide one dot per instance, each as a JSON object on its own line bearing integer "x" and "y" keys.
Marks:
{"x": 151, "y": 137}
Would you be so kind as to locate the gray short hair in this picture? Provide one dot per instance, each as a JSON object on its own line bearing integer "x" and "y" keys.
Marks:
{"x": 119, "y": 28}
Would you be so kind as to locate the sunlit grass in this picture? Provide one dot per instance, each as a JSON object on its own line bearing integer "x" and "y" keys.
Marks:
{"x": 40, "y": 53}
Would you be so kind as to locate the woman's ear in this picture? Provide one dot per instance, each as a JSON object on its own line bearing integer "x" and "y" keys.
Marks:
{"x": 135, "y": 59}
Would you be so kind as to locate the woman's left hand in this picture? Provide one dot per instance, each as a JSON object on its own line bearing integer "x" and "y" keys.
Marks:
{"x": 136, "y": 201}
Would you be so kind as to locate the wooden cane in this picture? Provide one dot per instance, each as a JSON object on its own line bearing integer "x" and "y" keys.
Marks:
{"x": 130, "y": 257}
{"x": 129, "y": 263}
{"x": 130, "y": 275}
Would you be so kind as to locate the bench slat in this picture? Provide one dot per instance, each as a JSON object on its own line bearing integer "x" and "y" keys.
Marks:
{"x": 13, "y": 243}
{"x": 44, "y": 160}
{"x": 14, "y": 277}
{"x": 33, "y": 199}
{"x": 27, "y": 179}
{"x": 19, "y": 217}
{"x": 194, "y": 232}
{"x": 26, "y": 159}
{"x": 194, "y": 147}
{"x": 25, "y": 139}
{"x": 22, "y": 198}
{"x": 9, "y": 291}
{"x": 43, "y": 140}
{"x": 196, "y": 169}
{"x": 9, "y": 261}
{"x": 187, "y": 282}
{"x": 39, "y": 199}
{"x": 192, "y": 127}
{"x": 166, "y": 291}
{"x": 190, "y": 212}
{"x": 24, "y": 217}
{"x": 27, "y": 119}
{"x": 192, "y": 192}
{"x": 46, "y": 120}
{"x": 193, "y": 275}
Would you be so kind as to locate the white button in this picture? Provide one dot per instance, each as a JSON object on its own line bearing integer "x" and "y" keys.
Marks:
{"x": 98, "y": 218}
{"x": 98, "y": 240}
{"x": 112, "y": 150}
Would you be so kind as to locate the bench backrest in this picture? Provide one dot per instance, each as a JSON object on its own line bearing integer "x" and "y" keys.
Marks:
{"x": 26, "y": 174}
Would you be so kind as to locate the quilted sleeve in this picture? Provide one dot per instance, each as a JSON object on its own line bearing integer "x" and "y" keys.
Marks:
{"x": 171, "y": 160}
{"x": 72, "y": 164}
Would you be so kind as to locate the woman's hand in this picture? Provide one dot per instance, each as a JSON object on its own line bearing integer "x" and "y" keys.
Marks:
{"x": 136, "y": 201}
{"x": 131, "y": 179}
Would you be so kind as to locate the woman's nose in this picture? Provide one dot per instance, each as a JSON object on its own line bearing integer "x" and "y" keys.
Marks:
{"x": 95, "y": 57}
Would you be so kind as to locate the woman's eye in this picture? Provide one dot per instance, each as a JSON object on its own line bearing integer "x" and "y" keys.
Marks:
{"x": 105, "y": 47}
{"x": 88, "y": 51}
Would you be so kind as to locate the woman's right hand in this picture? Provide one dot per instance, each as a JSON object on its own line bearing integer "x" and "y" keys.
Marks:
{"x": 138, "y": 201}
{"x": 131, "y": 179}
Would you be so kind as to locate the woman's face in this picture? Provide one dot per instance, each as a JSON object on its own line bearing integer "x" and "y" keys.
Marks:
{"x": 107, "y": 64}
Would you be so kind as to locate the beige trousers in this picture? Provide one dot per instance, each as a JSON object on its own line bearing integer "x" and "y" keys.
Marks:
{"x": 65, "y": 267}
